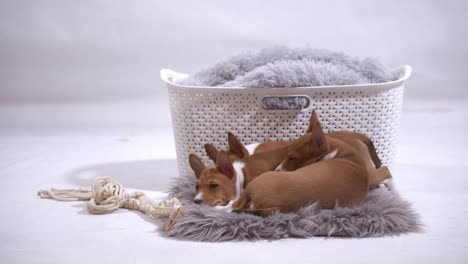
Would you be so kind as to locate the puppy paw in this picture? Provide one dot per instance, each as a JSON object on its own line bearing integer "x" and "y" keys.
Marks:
{"x": 388, "y": 185}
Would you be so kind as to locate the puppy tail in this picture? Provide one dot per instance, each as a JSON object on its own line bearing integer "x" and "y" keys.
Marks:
{"x": 372, "y": 151}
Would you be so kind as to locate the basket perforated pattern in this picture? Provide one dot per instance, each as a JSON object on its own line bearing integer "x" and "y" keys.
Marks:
{"x": 202, "y": 116}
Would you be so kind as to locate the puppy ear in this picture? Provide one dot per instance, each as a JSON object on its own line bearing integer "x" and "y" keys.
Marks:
{"x": 196, "y": 164}
{"x": 318, "y": 136}
{"x": 211, "y": 151}
{"x": 313, "y": 122}
{"x": 224, "y": 165}
{"x": 236, "y": 147}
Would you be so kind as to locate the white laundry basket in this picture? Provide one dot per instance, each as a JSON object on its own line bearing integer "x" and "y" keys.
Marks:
{"x": 205, "y": 114}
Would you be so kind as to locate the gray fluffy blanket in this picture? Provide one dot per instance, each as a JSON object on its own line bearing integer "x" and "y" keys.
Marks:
{"x": 383, "y": 213}
{"x": 287, "y": 67}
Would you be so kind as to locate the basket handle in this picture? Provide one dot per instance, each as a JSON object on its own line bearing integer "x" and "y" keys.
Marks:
{"x": 285, "y": 102}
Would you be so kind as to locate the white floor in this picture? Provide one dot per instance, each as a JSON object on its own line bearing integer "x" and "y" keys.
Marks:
{"x": 43, "y": 146}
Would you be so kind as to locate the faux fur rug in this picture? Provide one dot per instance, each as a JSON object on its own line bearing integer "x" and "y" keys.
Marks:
{"x": 383, "y": 213}
{"x": 287, "y": 67}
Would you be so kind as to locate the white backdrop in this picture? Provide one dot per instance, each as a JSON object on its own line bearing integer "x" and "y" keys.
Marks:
{"x": 81, "y": 97}
{"x": 105, "y": 50}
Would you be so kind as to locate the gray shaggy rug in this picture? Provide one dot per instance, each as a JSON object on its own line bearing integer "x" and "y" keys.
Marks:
{"x": 289, "y": 67}
{"x": 383, "y": 213}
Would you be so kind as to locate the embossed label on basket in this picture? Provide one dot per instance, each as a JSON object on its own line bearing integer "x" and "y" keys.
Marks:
{"x": 298, "y": 102}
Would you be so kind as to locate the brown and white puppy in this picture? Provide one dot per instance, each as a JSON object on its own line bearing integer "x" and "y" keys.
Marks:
{"x": 328, "y": 170}
{"x": 225, "y": 181}
{"x": 216, "y": 186}
{"x": 302, "y": 154}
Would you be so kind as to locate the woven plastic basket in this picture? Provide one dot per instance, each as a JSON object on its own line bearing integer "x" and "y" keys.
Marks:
{"x": 205, "y": 114}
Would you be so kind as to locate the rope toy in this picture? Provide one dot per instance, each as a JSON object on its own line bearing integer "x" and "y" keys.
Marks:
{"x": 108, "y": 195}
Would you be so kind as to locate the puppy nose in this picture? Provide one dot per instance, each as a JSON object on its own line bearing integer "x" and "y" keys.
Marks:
{"x": 198, "y": 201}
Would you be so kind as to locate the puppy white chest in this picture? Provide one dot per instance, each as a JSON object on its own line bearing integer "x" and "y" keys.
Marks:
{"x": 238, "y": 166}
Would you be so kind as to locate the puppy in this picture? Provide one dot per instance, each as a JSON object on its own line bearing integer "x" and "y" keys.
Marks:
{"x": 218, "y": 185}
{"x": 215, "y": 186}
{"x": 301, "y": 154}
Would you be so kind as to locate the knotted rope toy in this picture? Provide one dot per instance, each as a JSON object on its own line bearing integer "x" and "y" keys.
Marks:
{"x": 108, "y": 195}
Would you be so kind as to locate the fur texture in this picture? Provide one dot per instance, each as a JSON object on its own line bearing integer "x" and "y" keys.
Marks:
{"x": 383, "y": 213}
{"x": 286, "y": 67}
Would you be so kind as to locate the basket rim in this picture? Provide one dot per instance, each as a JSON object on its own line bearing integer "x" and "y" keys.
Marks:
{"x": 405, "y": 72}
